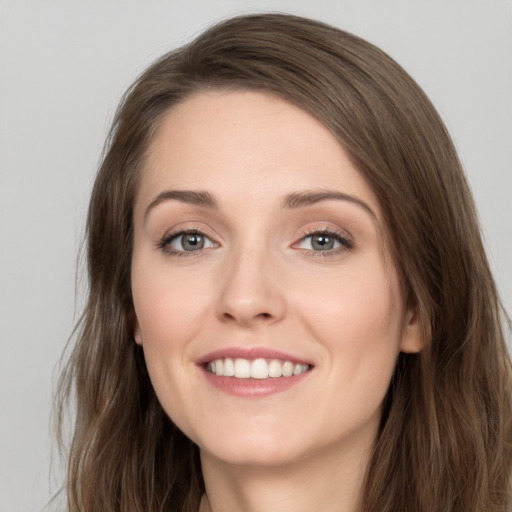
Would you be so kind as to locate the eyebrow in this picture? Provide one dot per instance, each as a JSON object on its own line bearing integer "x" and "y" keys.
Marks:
{"x": 291, "y": 201}
{"x": 197, "y": 198}
{"x": 306, "y": 198}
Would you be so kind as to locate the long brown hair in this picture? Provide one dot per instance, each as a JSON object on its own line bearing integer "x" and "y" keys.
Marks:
{"x": 445, "y": 437}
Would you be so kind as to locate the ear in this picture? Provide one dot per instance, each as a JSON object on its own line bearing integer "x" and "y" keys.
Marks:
{"x": 411, "y": 336}
{"x": 136, "y": 331}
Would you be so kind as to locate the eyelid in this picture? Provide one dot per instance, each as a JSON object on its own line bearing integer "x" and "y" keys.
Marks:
{"x": 164, "y": 242}
{"x": 344, "y": 238}
{"x": 341, "y": 236}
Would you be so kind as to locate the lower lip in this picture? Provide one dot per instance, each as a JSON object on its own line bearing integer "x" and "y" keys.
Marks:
{"x": 253, "y": 388}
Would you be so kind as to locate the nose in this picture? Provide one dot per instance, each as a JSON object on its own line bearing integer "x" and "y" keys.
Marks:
{"x": 251, "y": 292}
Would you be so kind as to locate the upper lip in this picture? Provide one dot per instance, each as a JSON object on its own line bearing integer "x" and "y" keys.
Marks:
{"x": 250, "y": 353}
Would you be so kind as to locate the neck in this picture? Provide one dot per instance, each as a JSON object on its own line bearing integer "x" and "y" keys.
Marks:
{"x": 332, "y": 481}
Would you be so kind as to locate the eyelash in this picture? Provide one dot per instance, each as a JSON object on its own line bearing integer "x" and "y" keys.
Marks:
{"x": 164, "y": 243}
{"x": 345, "y": 243}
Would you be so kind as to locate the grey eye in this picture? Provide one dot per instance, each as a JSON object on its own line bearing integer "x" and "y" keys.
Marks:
{"x": 320, "y": 242}
{"x": 190, "y": 242}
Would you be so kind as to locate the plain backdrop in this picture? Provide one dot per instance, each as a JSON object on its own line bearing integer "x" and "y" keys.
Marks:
{"x": 64, "y": 65}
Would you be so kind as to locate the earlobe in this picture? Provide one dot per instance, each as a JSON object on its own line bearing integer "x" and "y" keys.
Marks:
{"x": 411, "y": 339}
{"x": 136, "y": 332}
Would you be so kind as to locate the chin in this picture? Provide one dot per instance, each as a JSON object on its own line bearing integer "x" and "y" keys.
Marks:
{"x": 258, "y": 446}
{"x": 255, "y": 455}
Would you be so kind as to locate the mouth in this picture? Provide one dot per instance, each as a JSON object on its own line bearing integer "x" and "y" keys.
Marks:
{"x": 259, "y": 368}
{"x": 255, "y": 372}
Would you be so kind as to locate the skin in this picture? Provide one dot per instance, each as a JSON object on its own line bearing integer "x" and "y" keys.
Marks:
{"x": 259, "y": 282}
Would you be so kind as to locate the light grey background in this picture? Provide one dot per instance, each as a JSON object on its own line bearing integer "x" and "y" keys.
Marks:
{"x": 63, "y": 67}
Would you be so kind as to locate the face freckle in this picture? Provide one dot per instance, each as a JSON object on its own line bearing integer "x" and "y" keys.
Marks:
{"x": 256, "y": 240}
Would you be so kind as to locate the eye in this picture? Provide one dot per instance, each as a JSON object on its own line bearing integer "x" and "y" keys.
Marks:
{"x": 185, "y": 241}
{"x": 324, "y": 241}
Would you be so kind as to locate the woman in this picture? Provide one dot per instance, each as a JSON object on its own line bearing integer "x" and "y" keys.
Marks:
{"x": 290, "y": 304}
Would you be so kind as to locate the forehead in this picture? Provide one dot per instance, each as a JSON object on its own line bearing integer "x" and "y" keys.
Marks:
{"x": 247, "y": 142}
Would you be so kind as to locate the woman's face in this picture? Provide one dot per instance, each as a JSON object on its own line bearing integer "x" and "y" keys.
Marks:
{"x": 260, "y": 251}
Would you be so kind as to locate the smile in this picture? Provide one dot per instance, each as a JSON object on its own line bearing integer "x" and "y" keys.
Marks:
{"x": 259, "y": 368}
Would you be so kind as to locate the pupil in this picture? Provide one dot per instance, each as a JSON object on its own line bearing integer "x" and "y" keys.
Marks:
{"x": 322, "y": 242}
{"x": 192, "y": 242}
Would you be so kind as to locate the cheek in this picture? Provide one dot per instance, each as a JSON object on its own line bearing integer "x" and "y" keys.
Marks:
{"x": 358, "y": 318}
{"x": 169, "y": 314}
{"x": 168, "y": 307}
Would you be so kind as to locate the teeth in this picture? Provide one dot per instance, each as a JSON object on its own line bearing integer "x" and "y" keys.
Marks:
{"x": 297, "y": 369}
{"x": 229, "y": 368}
{"x": 242, "y": 369}
{"x": 259, "y": 369}
{"x": 287, "y": 369}
{"x": 256, "y": 369}
{"x": 275, "y": 368}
